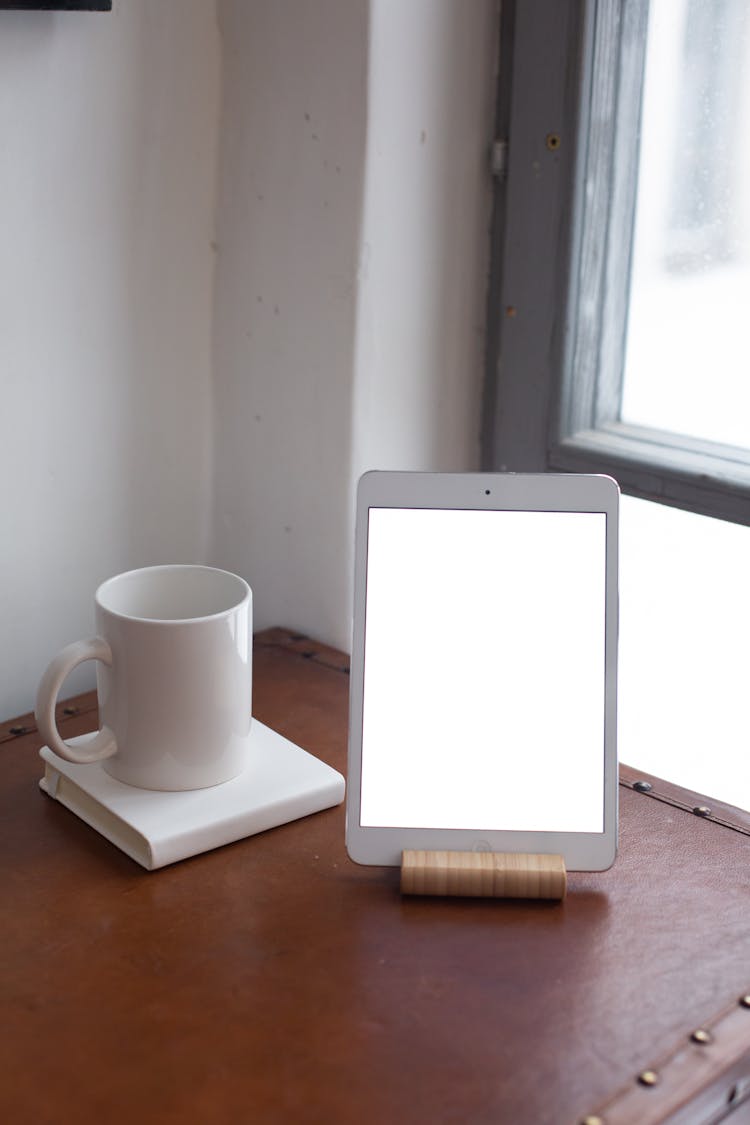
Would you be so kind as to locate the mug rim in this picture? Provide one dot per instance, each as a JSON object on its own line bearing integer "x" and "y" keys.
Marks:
{"x": 116, "y": 578}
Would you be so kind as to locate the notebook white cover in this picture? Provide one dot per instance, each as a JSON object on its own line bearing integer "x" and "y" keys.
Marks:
{"x": 282, "y": 783}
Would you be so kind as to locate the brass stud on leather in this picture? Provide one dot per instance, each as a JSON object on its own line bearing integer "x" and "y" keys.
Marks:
{"x": 648, "y": 1078}
{"x": 745, "y": 1001}
{"x": 702, "y": 810}
{"x": 642, "y": 786}
{"x": 702, "y": 1036}
{"x": 592, "y": 1119}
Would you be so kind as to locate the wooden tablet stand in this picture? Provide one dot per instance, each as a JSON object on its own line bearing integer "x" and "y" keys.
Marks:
{"x": 483, "y": 874}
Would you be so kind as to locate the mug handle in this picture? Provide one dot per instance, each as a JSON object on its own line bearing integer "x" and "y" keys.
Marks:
{"x": 103, "y": 745}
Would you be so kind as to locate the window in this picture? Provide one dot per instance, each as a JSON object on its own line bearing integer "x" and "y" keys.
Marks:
{"x": 686, "y": 365}
{"x": 570, "y": 114}
{"x": 582, "y": 372}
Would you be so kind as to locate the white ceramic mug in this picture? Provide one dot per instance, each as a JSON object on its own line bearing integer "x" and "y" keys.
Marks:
{"x": 174, "y": 678}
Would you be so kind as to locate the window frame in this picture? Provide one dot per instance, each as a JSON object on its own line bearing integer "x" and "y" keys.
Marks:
{"x": 567, "y": 124}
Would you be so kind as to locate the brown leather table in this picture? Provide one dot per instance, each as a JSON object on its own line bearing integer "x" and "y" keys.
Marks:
{"x": 275, "y": 981}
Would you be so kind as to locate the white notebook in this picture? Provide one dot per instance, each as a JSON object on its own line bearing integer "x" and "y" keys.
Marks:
{"x": 282, "y": 783}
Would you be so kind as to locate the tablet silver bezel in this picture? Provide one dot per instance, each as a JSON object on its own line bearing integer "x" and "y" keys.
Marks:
{"x": 485, "y": 491}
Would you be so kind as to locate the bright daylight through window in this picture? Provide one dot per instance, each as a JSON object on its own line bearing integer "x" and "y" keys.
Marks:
{"x": 684, "y": 577}
{"x": 687, "y": 366}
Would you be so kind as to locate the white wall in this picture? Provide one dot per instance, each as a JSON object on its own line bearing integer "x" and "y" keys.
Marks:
{"x": 353, "y": 237}
{"x": 424, "y": 259}
{"x": 108, "y": 126}
{"x": 157, "y": 410}
{"x": 291, "y": 179}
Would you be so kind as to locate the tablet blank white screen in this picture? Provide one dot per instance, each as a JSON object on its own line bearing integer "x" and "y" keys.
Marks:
{"x": 484, "y": 670}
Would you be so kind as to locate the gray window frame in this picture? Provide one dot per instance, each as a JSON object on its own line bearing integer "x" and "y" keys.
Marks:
{"x": 565, "y": 162}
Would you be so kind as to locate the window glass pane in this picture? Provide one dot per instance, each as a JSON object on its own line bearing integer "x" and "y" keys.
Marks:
{"x": 687, "y": 356}
{"x": 685, "y": 649}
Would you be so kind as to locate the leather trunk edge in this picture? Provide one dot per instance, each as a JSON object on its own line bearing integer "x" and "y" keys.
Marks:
{"x": 701, "y": 1080}
{"x": 299, "y": 644}
{"x": 686, "y": 799}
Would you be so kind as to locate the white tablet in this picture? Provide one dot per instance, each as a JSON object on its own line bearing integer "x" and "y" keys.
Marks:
{"x": 484, "y": 666}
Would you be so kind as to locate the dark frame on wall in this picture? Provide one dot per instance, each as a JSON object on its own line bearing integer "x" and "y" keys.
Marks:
{"x": 57, "y": 5}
